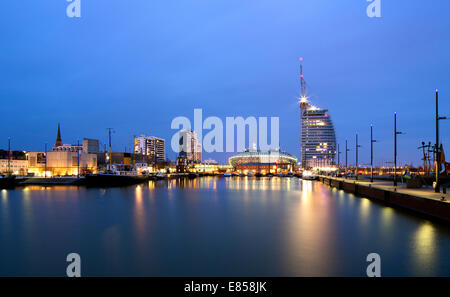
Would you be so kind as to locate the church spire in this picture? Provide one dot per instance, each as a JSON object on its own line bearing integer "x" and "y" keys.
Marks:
{"x": 58, "y": 138}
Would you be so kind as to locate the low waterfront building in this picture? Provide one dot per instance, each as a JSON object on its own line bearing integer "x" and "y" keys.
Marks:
{"x": 65, "y": 159}
{"x": 16, "y": 167}
{"x": 61, "y": 163}
{"x": 264, "y": 162}
{"x": 13, "y": 162}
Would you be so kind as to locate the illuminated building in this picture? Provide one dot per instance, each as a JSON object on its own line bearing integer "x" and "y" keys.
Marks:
{"x": 264, "y": 162}
{"x": 13, "y": 162}
{"x": 65, "y": 159}
{"x": 156, "y": 149}
{"x": 150, "y": 146}
{"x": 16, "y": 167}
{"x": 140, "y": 144}
{"x": 190, "y": 145}
{"x": 90, "y": 146}
{"x": 60, "y": 163}
{"x": 182, "y": 162}
{"x": 317, "y": 136}
{"x": 318, "y": 139}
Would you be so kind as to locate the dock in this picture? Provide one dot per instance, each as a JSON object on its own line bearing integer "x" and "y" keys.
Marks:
{"x": 423, "y": 201}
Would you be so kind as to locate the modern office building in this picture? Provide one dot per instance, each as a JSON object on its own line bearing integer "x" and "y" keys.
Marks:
{"x": 140, "y": 144}
{"x": 318, "y": 139}
{"x": 191, "y": 146}
{"x": 317, "y": 136}
{"x": 152, "y": 147}
{"x": 156, "y": 149}
{"x": 90, "y": 146}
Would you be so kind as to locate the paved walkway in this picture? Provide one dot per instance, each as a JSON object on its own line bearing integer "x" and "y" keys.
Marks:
{"x": 425, "y": 192}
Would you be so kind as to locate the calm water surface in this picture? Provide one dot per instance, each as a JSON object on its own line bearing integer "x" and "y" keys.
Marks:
{"x": 214, "y": 227}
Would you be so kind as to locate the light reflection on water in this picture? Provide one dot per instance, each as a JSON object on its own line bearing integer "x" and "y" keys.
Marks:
{"x": 235, "y": 226}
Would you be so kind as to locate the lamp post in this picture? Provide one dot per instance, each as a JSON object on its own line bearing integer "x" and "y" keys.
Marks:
{"x": 356, "y": 152}
{"x": 109, "y": 138}
{"x": 78, "y": 158}
{"x": 395, "y": 148}
{"x": 436, "y": 147}
{"x": 371, "y": 153}
{"x": 45, "y": 168}
{"x": 346, "y": 157}
{"x": 9, "y": 156}
{"x": 338, "y": 155}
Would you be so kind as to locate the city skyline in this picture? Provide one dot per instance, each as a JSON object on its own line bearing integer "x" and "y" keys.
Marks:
{"x": 159, "y": 70}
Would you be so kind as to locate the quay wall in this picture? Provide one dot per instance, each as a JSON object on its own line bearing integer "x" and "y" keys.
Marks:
{"x": 434, "y": 209}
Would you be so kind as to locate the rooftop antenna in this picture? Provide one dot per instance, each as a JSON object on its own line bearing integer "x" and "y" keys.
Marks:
{"x": 302, "y": 81}
{"x": 303, "y": 99}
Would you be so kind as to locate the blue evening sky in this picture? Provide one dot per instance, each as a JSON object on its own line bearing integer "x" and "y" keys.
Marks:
{"x": 134, "y": 65}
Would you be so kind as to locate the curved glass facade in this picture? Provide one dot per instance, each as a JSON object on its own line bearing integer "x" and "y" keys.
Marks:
{"x": 318, "y": 139}
{"x": 265, "y": 158}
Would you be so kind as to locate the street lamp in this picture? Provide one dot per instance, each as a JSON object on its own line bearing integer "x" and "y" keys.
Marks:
{"x": 356, "y": 152}
{"x": 9, "y": 155}
{"x": 371, "y": 153}
{"x": 45, "y": 168}
{"x": 338, "y": 155}
{"x": 346, "y": 157}
{"x": 436, "y": 146}
{"x": 395, "y": 148}
{"x": 78, "y": 158}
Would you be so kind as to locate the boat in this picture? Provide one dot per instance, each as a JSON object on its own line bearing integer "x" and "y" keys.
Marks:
{"x": 308, "y": 175}
{"x": 259, "y": 174}
{"x": 281, "y": 174}
{"x": 161, "y": 175}
{"x": 251, "y": 173}
{"x": 192, "y": 175}
{"x": 227, "y": 174}
{"x": 7, "y": 181}
{"x": 112, "y": 179}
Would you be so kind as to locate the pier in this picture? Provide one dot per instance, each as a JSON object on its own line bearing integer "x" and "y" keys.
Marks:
{"x": 423, "y": 201}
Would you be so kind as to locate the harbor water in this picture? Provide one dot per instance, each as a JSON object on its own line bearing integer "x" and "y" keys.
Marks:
{"x": 213, "y": 226}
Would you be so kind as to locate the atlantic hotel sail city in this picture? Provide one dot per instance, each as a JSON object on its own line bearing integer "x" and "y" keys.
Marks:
{"x": 317, "y": 136}
{"x": 318, "y": 139}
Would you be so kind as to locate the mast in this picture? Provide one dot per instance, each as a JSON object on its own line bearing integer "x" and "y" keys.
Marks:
{"x": 302, "y": 81}
{"x": 303, "y": 105}
{"x": 9, "y": 155}
{"x": 110, "y": 156}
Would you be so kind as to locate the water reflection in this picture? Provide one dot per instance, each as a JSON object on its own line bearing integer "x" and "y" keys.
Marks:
{"x": 236, "y": 226}
{"x": 425, "y": 249}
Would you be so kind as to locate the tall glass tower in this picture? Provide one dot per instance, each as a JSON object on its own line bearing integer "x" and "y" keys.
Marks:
{"x": 317, "y": 139}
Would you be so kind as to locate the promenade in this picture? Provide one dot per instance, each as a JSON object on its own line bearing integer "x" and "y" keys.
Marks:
{"x": 424, "y": 192}
{"x": 423, "y": 201}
